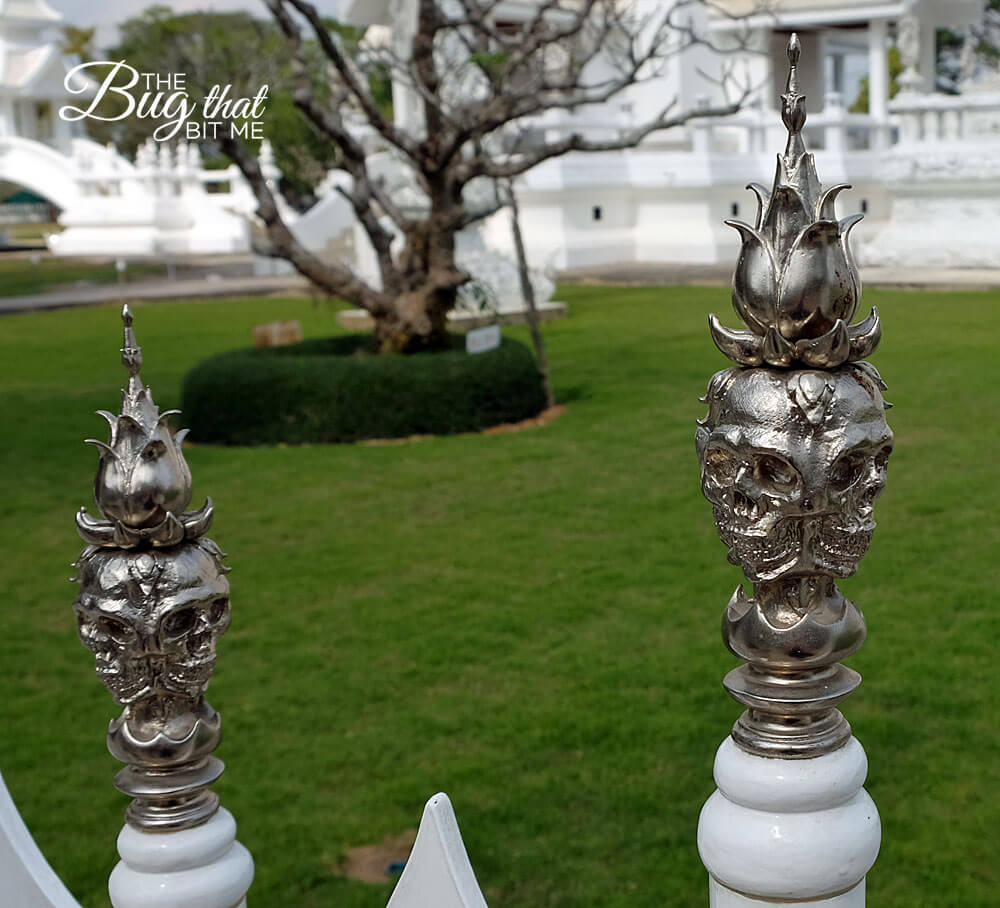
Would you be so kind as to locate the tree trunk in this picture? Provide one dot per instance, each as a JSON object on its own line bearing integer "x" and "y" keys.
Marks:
{"x": 418, "y": 322}
{"x": 429, "y": 278}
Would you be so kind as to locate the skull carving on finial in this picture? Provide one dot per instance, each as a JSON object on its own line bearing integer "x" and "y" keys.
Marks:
{"x": 152, "y": 620}
{"x": 792, "y": 463}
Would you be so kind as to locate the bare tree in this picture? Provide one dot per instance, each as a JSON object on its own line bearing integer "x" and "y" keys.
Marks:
{"x": 476, "y": 83}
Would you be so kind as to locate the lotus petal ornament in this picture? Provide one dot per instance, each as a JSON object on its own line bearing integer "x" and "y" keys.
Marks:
{"x": 143, "y": 483}
{"x": 796, "y": 286}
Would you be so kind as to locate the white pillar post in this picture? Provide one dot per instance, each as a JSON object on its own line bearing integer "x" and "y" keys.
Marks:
{"x": 878, "y": 80}
{"x": 928, "y": 57}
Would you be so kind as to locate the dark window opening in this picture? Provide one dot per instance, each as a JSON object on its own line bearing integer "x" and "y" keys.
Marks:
{"x": 864, "y": 206}
{"x": 596, "y": 213}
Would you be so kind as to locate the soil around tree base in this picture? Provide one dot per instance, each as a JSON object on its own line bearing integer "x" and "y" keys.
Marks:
{"x": 542, "y": 419}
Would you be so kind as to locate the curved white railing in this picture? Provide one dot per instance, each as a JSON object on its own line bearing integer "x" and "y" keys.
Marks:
{"x": 438, "y": 873}
{"x": 26, "y": 879}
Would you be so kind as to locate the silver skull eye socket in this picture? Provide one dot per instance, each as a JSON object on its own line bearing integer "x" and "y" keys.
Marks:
{"x": 775, "y": 475}
{"x": 753, "y": 473}
{"x": 180, "y": 623}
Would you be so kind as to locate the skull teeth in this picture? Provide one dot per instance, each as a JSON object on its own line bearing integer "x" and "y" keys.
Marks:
{"x": 745, "y": 507}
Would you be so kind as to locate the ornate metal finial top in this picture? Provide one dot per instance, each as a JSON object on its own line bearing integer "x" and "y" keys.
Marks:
{"x": 143, "y": 483}
{"x": 793, "y": 455}
{"x": 131, "y": 351}
{"x": 793, "y": 105}
{"x": 796, "y": 286}
{"x": 153, "y": 601}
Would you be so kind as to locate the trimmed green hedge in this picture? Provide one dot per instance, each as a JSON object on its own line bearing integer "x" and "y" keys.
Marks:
{"x": 337, "y": 389}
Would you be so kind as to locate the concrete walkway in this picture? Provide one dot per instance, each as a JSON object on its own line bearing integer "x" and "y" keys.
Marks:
{"x": 187, "y": 288}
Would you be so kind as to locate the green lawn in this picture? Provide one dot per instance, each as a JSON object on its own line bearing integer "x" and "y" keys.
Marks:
{"x": 20, "y": 277}
{"x": 529, "y": 622}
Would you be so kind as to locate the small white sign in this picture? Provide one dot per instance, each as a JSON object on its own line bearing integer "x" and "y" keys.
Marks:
{"x": 479, "y": 340}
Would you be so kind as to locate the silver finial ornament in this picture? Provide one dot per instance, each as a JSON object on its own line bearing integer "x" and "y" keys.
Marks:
{"x": 793, "y": 454}
{"x": 796, "y": 286}
{"x": 154, "y": 600}
{"x": 143, "y": 484}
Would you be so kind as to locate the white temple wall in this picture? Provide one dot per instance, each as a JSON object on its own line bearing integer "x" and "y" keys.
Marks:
{"x": 677, "y": 227}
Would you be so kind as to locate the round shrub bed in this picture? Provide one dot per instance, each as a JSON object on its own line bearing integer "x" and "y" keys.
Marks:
{"x": 337, "y": 389}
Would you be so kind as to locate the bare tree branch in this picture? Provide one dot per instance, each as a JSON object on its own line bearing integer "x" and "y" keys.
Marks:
{"x": 347, "y": 71}
{"x": 335, "y": 279}
{"x": 480, "y": 85}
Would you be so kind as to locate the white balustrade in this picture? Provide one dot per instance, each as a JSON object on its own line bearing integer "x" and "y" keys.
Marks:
{"x": 970, "y": 117}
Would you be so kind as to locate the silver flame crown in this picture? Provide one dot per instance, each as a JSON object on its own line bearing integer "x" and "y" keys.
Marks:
{"x": 143, "y": 483}
{"x": 796, "y": 285}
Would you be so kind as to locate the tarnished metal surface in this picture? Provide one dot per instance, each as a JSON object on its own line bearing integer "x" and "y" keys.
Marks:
{"x": 793, "y": 454}
{"x": 153, "y": 601}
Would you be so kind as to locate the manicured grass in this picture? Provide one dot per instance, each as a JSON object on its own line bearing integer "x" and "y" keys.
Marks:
{"x": 527, "y": 621}
{"x": 20, "y": 277}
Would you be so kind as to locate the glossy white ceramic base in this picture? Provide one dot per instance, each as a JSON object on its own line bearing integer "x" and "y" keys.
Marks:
{"x": 802, "y": 832}
{"x": 203, "y": 867}
{"x": 721, "y": 897}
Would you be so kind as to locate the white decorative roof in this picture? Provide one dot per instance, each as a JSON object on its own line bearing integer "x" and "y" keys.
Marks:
{"x": 20, "y": 66}
{"x": 32, "y": 63}
{"x": 29, "y": 11}
{"x": 39, "y": 72}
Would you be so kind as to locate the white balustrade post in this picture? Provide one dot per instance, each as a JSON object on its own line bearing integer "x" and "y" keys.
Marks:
{"x": 931, "y": 125}
{"x": 909, "y": 130}
{"x": 951, "y": 125}
{"x": 835, "y": 131}
{"x": 701, "y": 130}
{"x": 154, "y": 600}
{"x": 790, "y": 822}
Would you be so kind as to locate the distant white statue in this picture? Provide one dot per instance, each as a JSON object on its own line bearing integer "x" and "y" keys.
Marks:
{"x": 908, "y": 43}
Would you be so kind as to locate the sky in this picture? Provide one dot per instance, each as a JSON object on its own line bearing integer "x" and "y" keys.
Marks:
{"x": 106, "y": 14}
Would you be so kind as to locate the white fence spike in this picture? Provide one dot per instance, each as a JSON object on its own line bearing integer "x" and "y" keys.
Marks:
{"x": 438, "y": 873}
{"x": 26, "y": 879}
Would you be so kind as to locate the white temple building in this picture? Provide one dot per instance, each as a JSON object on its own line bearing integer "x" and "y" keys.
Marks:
{"x": 109, "y": 206}
{"x": 665, "y": 201}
